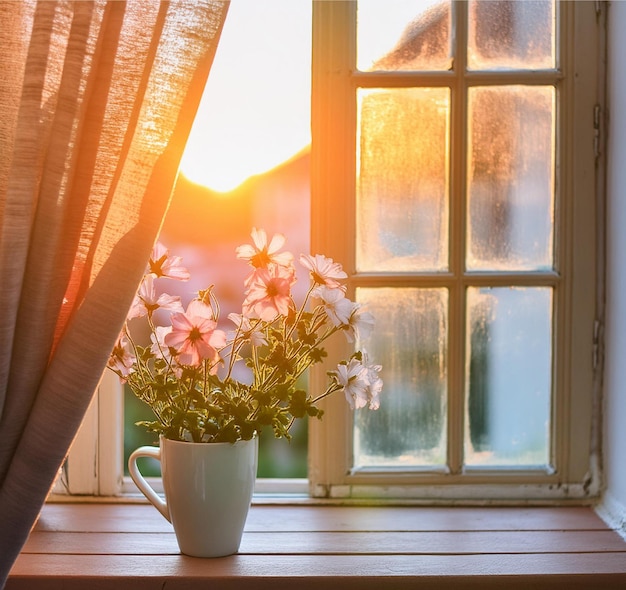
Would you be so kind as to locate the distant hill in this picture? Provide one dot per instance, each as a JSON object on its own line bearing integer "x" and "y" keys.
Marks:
{"x": 200, "y": 216}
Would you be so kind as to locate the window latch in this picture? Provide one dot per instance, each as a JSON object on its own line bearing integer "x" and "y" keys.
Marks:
{"x": 597, "y": 117}
{"x": 597, "y": 334}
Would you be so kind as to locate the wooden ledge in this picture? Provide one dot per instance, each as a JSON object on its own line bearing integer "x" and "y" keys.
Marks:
{"x": 102, "y": 546}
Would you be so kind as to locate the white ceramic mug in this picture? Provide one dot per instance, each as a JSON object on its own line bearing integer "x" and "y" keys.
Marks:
{"x": 208, "y": 488}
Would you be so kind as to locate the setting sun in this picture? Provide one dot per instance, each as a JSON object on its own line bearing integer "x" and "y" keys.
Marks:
{"x": 255, "y": 113}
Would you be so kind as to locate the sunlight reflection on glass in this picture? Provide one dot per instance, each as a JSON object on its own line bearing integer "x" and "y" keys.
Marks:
{"x": 402, "y": 187}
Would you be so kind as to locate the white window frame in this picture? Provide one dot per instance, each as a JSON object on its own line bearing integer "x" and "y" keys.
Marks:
{"x": 574, "y": 444}
{"x": 94, "y": 465}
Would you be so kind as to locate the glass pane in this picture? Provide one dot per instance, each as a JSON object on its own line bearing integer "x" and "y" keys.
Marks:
{"x": 511, "y": 178}
{"x": 403, "y": 35}
{"x": 508, "y": 376}
{"x": 510, "y": 34}
{"x": 402, "y": 185}
{"x": 410, "y": 341}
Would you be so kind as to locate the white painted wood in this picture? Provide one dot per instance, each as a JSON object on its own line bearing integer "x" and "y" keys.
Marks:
{"x": 82, "y": 462}
{"x": 574, "y": 468}
{"x": 94, "y": 463}
{"x": 613, "y": 512}
{"x": 110, "y": 435}
{"x": 614, "y": 409}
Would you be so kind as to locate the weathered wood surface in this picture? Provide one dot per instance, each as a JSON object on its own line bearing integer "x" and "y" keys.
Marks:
{"x": 131, "y": 546}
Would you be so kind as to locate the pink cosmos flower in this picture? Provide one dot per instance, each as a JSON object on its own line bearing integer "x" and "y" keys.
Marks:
{"x": 147, "y": 302}
{"x": 262, "y": 254}
{"x": 248, "y": 331}
{"x": 163, "y": 265}
{"x": 122, "y": 359}
{"x": 353, "y": 380}
{"x": 194, "y": 335}
{"x": 323, "y": 270}
{"x": 269, "y": 293}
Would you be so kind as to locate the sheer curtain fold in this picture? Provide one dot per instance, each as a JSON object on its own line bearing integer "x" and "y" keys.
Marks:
{"x": 96, "y": 101}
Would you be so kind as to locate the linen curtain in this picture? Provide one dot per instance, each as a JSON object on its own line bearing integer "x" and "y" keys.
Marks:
{"x": 96, "y": 101}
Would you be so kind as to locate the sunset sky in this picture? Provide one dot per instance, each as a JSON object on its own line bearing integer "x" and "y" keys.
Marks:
{"x": 255, "y": 113}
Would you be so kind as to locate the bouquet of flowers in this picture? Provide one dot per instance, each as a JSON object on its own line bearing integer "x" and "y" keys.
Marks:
{"x": 187, "y": 374}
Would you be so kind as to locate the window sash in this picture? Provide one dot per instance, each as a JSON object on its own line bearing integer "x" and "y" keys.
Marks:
{"x": 335, "y": 81}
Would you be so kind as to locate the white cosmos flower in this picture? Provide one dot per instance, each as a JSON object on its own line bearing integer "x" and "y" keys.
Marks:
{"x": 122, "y": 359}
{"x": 375, "y": 383}
{"x": 256, "y": 337}
{"x": 337, "y": 307}
{"x": 353, "y": 380}
{"x": 323, "y": 270}
{"x": 147, "y": 301}
{"x": 263, "y": 253}
{"x": 159, "y": 349}
{"x": 163, "y": 265}
{"x": 359, "y": 325}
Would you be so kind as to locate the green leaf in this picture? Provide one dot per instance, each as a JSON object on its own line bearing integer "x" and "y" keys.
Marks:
{"x": 266, "y": 415}
{"x": 318, "y": 354}
{"x": 247, "y": 430}
{"x": 298, "y": 404}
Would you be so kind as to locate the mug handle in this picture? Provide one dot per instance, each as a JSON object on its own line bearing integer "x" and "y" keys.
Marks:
{"x": 141, "y": 483}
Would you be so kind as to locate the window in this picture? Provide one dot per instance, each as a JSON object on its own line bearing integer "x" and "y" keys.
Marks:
{"x": 453, "y": 167}
{"x": 246, "y": 165}
{"x": 454, "y": 175}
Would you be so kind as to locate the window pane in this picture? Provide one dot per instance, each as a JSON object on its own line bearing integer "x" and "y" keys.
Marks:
{"x": 508, "y": 376}
{"x": 402, "y": 187}
{"x": 511, "y": 34}
{"x": 410, "y": 341}
{"x": 403, "y": 35}
{"x": 511, "y": 178}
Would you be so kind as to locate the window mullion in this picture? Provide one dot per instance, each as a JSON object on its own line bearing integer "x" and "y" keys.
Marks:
{"x": 458, "y": 162}
{"x": 332, "y": 190}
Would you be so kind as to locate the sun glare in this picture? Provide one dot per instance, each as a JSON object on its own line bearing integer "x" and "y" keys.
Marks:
{"x": 255, "y": 112}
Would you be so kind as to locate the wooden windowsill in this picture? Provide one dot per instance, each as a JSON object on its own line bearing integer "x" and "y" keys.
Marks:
{"x": 102, "y": 546}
